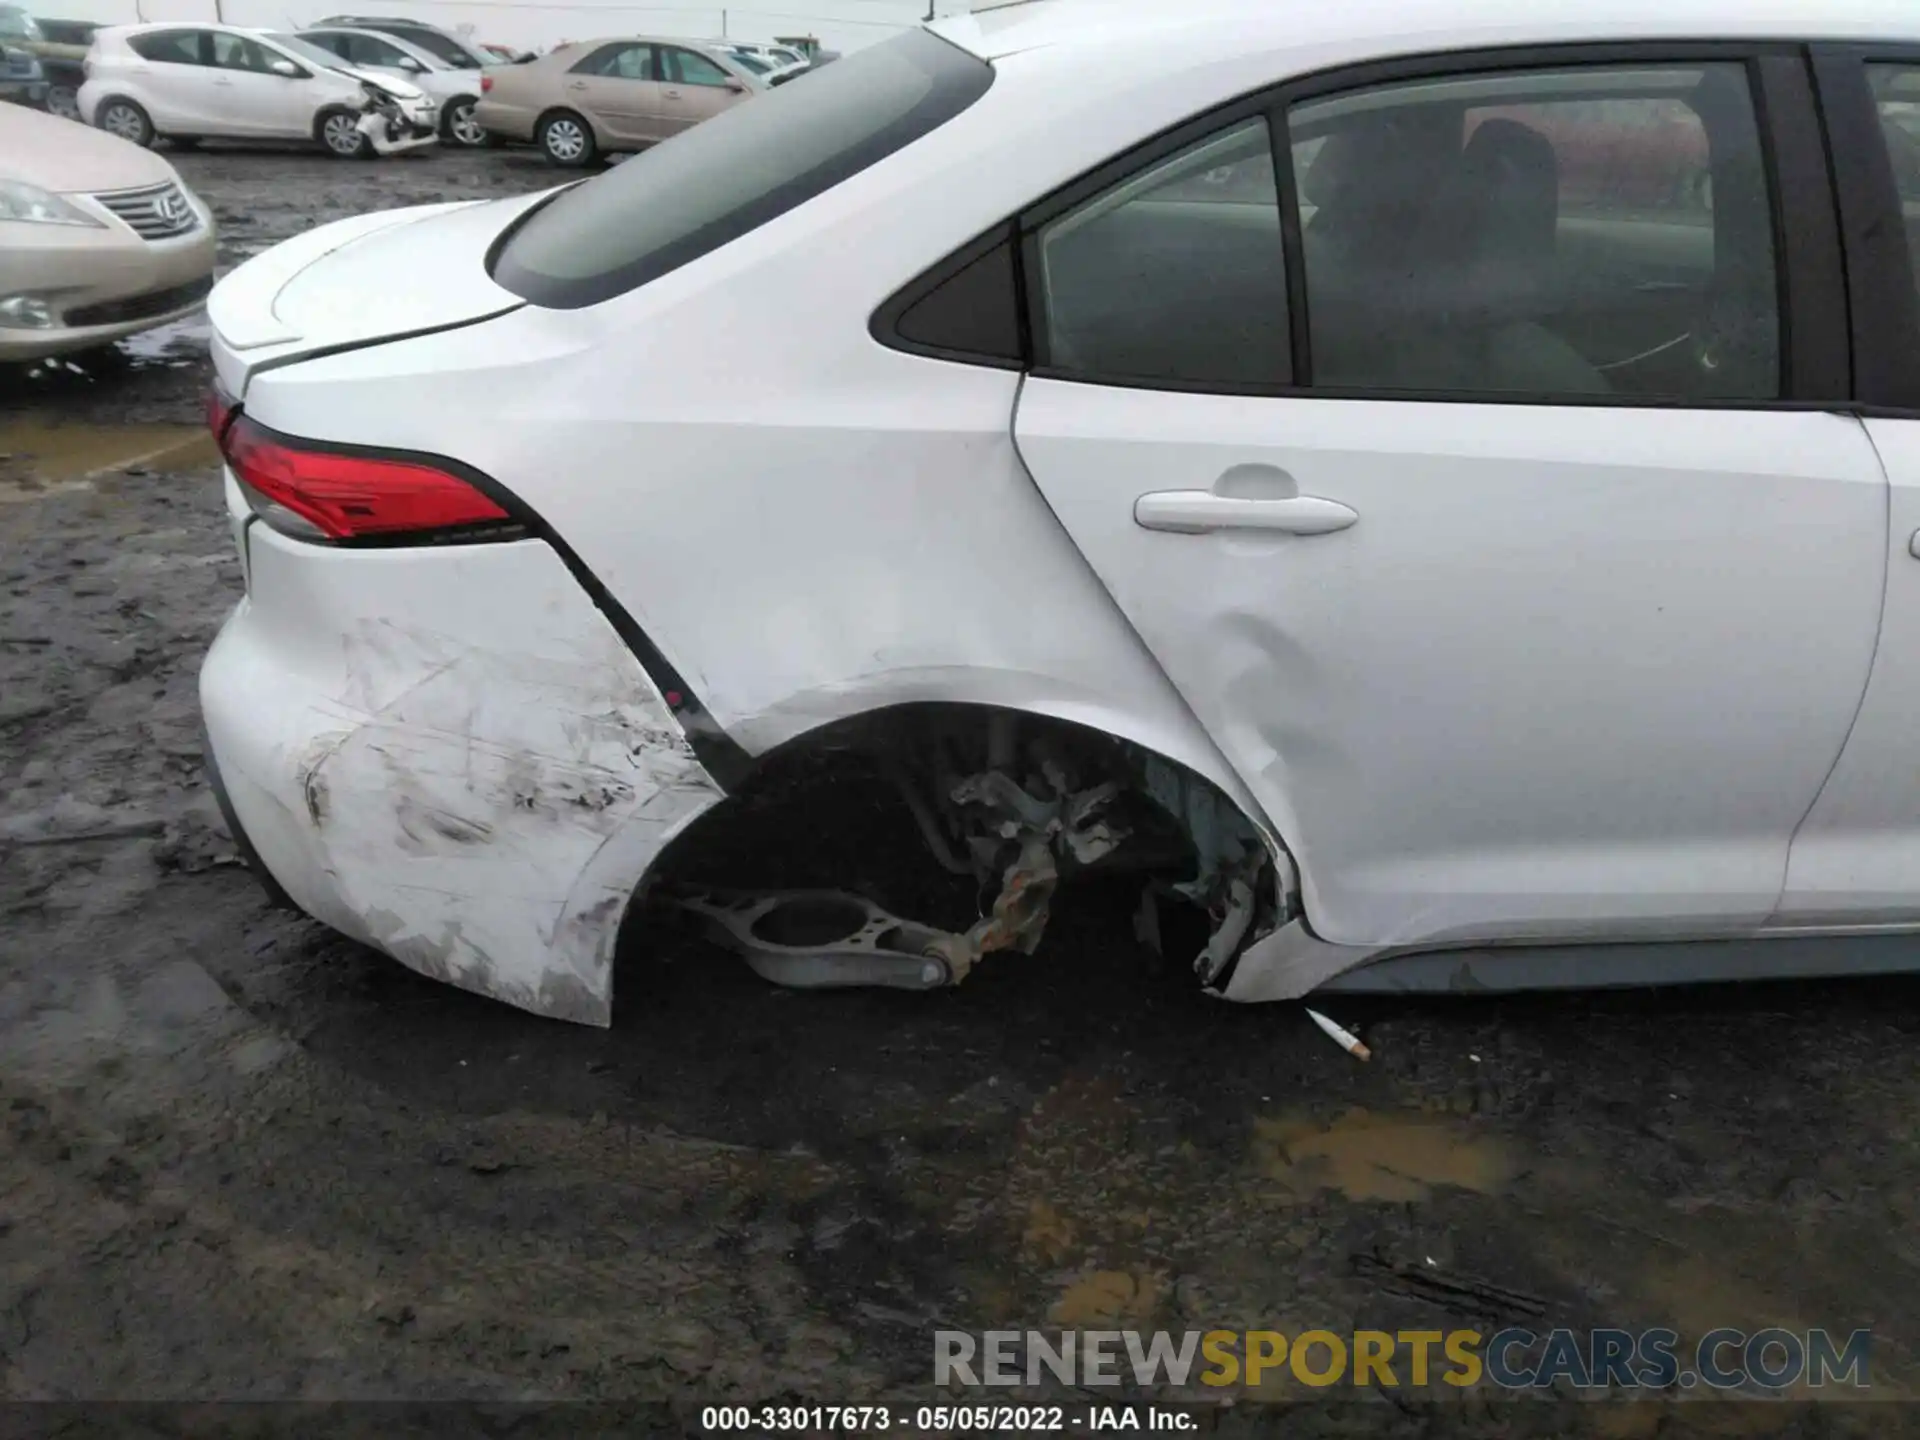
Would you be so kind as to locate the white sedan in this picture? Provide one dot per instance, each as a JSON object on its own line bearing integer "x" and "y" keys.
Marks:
{"x": 1338, "y": 461}
{"x": 188, "y": 82}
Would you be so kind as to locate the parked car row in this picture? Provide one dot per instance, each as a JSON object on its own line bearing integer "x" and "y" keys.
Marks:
{"x": 187, "y": 83}
{"x": 361, "y": 85}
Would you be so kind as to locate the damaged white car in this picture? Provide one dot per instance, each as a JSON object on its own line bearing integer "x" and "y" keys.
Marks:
{"x": 189, "y": 82}
{"x": 1448, "y": 508}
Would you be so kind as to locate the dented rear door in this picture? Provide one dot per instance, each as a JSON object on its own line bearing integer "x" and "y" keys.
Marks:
{"x": 1565, "y": 670}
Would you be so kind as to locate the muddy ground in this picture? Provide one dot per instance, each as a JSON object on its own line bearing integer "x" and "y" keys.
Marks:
{"x": 242, "y": 1158}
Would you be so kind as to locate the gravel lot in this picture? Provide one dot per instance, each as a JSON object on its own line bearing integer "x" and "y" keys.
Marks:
{"x": 245, "y": 1159}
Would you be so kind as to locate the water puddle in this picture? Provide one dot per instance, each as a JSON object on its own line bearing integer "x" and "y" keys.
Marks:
{"x": 39, "y": 457}
{"x": 176, "y": 345}
{"x": 1364, "y": 1156}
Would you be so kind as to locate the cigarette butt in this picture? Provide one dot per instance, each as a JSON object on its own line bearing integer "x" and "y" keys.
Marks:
{"x": 1345, "y": 1039}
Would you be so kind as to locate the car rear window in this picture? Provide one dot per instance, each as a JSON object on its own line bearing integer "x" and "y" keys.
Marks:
{"x": 757, "y": 160}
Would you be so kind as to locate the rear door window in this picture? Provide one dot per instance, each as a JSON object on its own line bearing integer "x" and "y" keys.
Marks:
{"x": 730, "y": 175}
{"x": 1592, "y": 231}
{"x": 687, "y": 68}
{"x": 1173, "y": 275}
{"x": 619, "y": 62}
{"x": 1896, "y": 95}
{"x": 366, "y": 50}
{"x": 441, "y": 48}
{"x": 233, "y": 52}
{"x": 168, "y": 47}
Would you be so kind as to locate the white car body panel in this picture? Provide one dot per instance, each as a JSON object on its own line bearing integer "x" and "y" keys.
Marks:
{"x": 1856, "y": 856}
{"x": 265, "y": 105}
{"x": 812, "y": 633}
{"x": 459, "y": 761}
{"x": 812, "y": 526}
{"x": 181, "y": 96}
{"x": 267, "y": 308}
{"x": 1529, "y": 689}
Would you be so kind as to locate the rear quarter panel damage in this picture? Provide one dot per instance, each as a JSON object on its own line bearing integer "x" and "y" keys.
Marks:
{"x": 464, "y": 766}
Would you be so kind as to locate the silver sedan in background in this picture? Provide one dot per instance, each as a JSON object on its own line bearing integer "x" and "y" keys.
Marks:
{"x": 99, "y": 239}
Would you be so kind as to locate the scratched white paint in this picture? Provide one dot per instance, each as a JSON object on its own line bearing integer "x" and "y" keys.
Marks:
{"x": 450, "y": 755}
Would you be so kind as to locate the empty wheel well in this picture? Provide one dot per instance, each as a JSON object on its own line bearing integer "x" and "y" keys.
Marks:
{"x": 925, "y": 809}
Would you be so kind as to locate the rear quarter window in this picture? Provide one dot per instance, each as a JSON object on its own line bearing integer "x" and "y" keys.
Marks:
{"x": 710, "y": 185}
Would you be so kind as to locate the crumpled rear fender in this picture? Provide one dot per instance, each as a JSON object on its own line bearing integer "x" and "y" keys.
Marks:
{"x": 450, "y": 755}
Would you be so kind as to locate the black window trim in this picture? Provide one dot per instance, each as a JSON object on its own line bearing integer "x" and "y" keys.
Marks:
{"x": 592, "y": 57}
{"x": 1816, "y": 357}
{"x": 1885, "y": 307}
{"x": 884, "y": 325}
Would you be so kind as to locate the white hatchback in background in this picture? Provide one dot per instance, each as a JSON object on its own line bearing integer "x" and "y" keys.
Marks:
{"x": 187, "y": 82}
{"x": 1363, "y": 476}
{"x": 454, "y": 90}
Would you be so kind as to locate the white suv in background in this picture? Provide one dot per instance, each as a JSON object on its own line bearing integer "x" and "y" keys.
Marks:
{"x": 455, "y": 90}
{"x": 192, "y": 82}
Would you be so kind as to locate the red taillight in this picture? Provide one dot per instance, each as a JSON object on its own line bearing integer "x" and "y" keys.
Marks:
{"x": 220, "y": 408}
{"x": 486, "y": 83}
{"x": 350, "y": 496}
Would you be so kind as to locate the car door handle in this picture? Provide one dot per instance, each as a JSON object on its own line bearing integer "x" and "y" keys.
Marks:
{"x": 673, "y": 94}
{"x": 1196, "y": 512}
{"x": 576, "y": 84}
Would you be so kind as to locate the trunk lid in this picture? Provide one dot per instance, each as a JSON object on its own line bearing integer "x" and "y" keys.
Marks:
{"x": 359, "y": 282}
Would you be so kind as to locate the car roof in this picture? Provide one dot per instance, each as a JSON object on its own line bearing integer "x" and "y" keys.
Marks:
{"x": 147, "y": 27}
{"x": 1194, "y": 31}
{"x": 342, "y": 28}
{"x": 685, "y": 42}
{"x": 356, "y": 21}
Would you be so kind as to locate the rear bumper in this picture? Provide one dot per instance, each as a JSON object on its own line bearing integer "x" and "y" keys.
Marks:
{"x": 448, "y": 754}
{"x": 508, "y": 122}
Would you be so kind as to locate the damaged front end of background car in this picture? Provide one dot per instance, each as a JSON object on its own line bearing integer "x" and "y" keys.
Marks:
{"x": 383, "y": 124}
{"x": 1011, "y": 806}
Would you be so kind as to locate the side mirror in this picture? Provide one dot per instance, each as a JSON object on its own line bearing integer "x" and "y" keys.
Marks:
{"x": 412, "y": 66}
{"x": 736, "y": 84}
{"x": 286, "y": 68}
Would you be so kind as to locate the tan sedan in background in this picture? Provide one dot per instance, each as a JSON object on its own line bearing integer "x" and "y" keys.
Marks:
{"x": 589, "y": 98}
{"x": 98, "y": 238}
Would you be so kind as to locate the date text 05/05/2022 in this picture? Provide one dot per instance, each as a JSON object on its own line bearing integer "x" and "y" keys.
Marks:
{"x": 947, "y": 1419}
